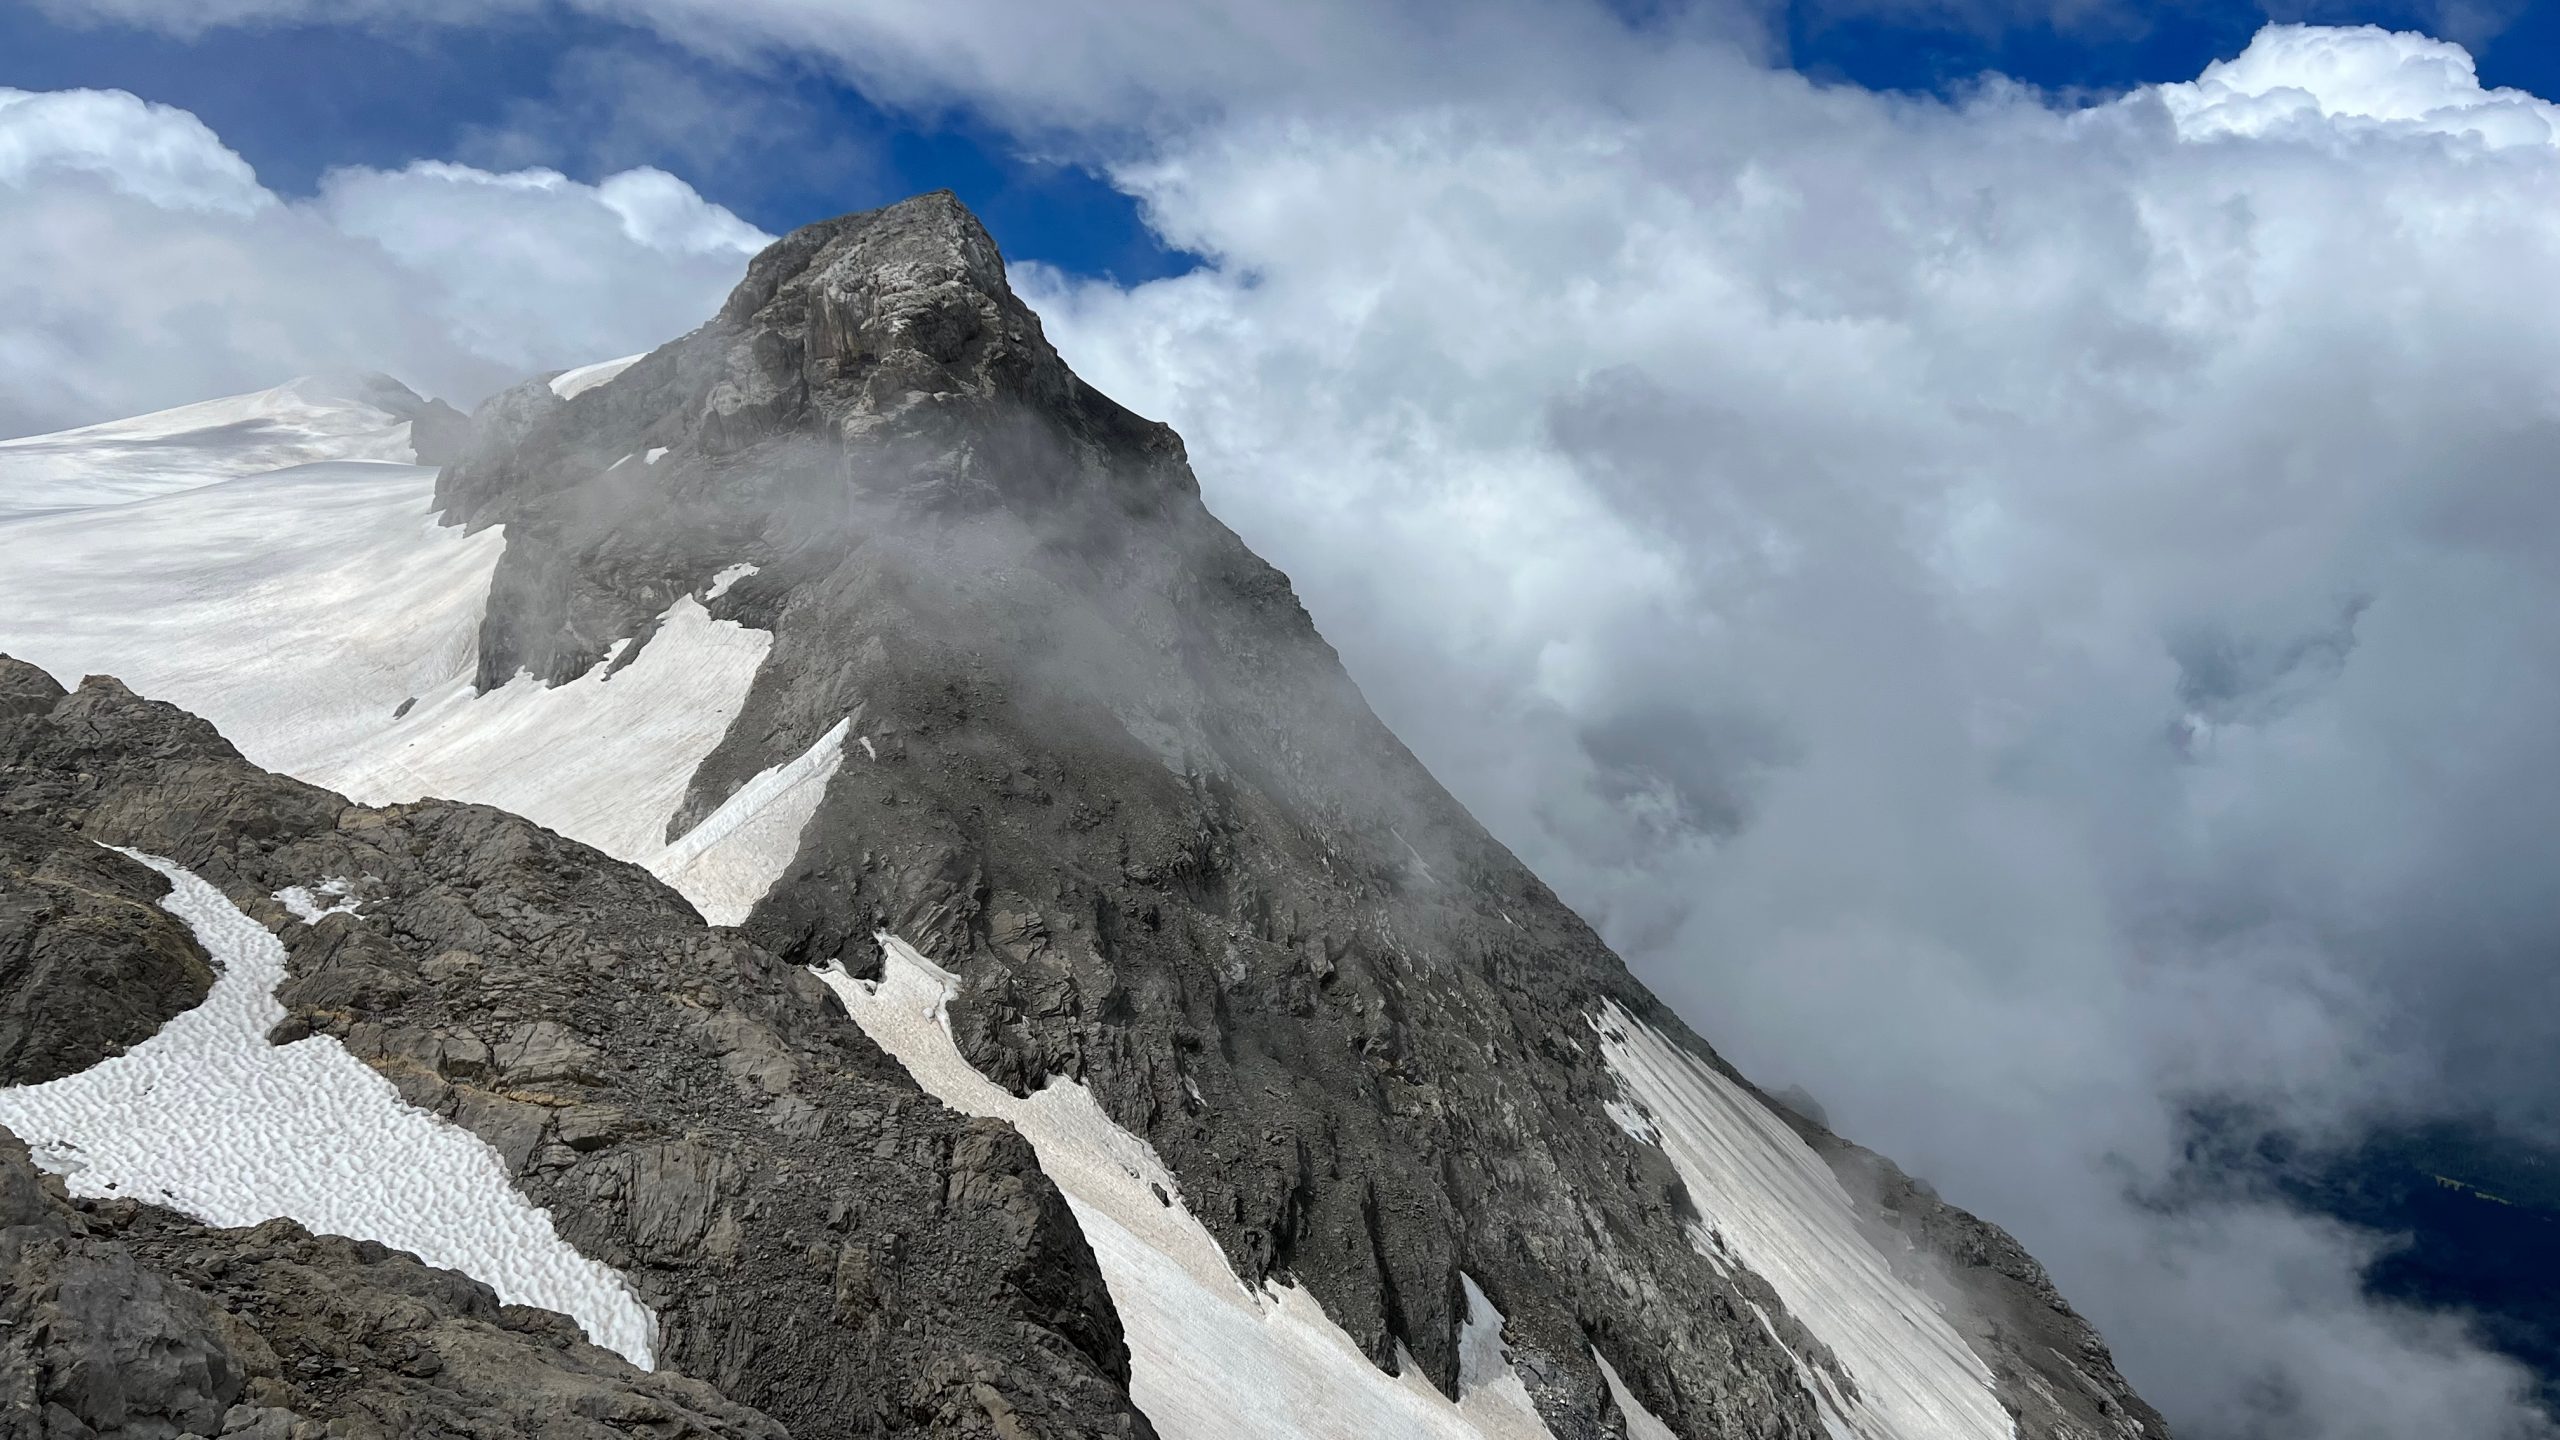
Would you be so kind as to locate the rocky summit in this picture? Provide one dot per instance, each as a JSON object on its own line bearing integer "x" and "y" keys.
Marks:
{"x": 1110, "y": 1027}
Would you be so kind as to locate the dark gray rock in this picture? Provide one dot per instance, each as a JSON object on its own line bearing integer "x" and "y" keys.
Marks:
{"x": 820, "y": 1240}
{"x": 124, "y": 1322}
{"x": 1125, "y": 789}
{"x": 89, "y": 963}
{"x": 438, "y": 433}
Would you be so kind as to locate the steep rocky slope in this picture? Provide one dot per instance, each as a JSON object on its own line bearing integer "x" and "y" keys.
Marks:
{"x": 816, "y": 1238}
{"x": 1111, "y": 778}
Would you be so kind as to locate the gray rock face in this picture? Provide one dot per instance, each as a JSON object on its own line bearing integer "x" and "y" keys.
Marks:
{"x": 1124, "y": 788}
{"x": 89, "y": 963}
{"x": 125, "y": 1322}
{"x": 819, "y": 1239}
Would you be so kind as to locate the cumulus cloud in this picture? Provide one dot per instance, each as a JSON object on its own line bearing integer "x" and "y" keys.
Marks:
{"x": 2020, "y": 620}
{"x": 2324, "y": 84}
{"x": 163, "y": 156}
{"x": 148, "y": 267}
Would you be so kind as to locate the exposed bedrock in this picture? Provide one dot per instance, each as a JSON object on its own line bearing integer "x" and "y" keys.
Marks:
{"x": 820, "y": 1240}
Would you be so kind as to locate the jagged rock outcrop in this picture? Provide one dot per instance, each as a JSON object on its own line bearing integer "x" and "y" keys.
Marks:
{"x": 89, "y": 964}
{"x": 1115, "y": 779}
{"x": 121, "y": 1321}
{"x": 819, "y": 1240}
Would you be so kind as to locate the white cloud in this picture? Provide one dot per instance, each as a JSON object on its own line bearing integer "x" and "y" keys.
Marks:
{"x": 151, "y": 152}
{"x": 2014, "y": 619}
{"x": 2328, "y": 83}
{"x": 146, "y": 266}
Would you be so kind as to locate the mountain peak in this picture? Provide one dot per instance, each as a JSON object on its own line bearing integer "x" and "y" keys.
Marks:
{"x": 873, "y": 314}
{"x": 916, "y": 247}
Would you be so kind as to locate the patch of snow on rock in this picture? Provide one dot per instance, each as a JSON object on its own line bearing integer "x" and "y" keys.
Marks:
{"x": 1642, "y": 1424}
{"x": 306, "y": 902}
{"x": 1777, "y": 1207}
{"x": 726, "y": 864}
{"x": 1631, "y": 1120}
{"x": 727, "y": 575}
{"x": 1209, "y": 1358}
{"x": 209, "y": 1119}
{"x": 183, "y": 597}
{"x": 604, "y": 758}
{"x": 1490, "y": 1393}
{"x": 569, "y": 384}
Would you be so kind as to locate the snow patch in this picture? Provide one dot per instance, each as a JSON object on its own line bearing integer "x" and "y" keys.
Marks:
{"x": 727, "y": 575}
{"x": 1642, "y": 1424}
{"x": 604, "y": 758}
{"x": 1777, "y": 1208}
{"x": 726, "y": 864}
{"x": 1491, "y": 1395}
{"x": 306, "y": 901}
{"x": 569, "y": 384}
{"x": 1631, "y": 1120}
{"x": 183, "y": 597}
{"x": 1209, "y": 1359}
{"x": 655, "y": 451}
{"x": 207, "y": 1118}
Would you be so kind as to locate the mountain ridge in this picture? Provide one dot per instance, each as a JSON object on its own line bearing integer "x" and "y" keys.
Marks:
{"x": 1055, "y": 730}
{"x": 1154, "y": 752}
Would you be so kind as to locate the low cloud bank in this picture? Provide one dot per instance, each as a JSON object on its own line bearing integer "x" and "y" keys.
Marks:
{"x": 2022, "y": 620}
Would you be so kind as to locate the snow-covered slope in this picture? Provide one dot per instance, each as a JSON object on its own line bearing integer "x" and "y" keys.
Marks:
{"x": 1209, "y": 1359}
{"x": 328, "y": 626}
{"x": 209, "y": 1119}
{"x": 1771, "y": 1204}
{"x": 297, "y": 423}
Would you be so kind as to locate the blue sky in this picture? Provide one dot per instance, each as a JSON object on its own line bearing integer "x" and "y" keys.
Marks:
{"x": 297, "y": 99}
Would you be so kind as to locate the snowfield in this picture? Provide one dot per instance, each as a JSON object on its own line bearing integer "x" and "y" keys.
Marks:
{"x": 1209, "y": 1359}
{"x": 324, "y": 622}
{"x": 1774, "y": 1206}
{"x": 209, "y": 1119}
{"x": 300, "y": 422}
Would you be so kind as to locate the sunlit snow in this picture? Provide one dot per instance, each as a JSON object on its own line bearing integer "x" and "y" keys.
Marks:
{"x": 209, "y": 1119}
{"x": 1209, "y": 1359}
{"x": 297, "y": 423}
{"x": 1778, "y": 1209}
{"x": 329, "y": 628}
